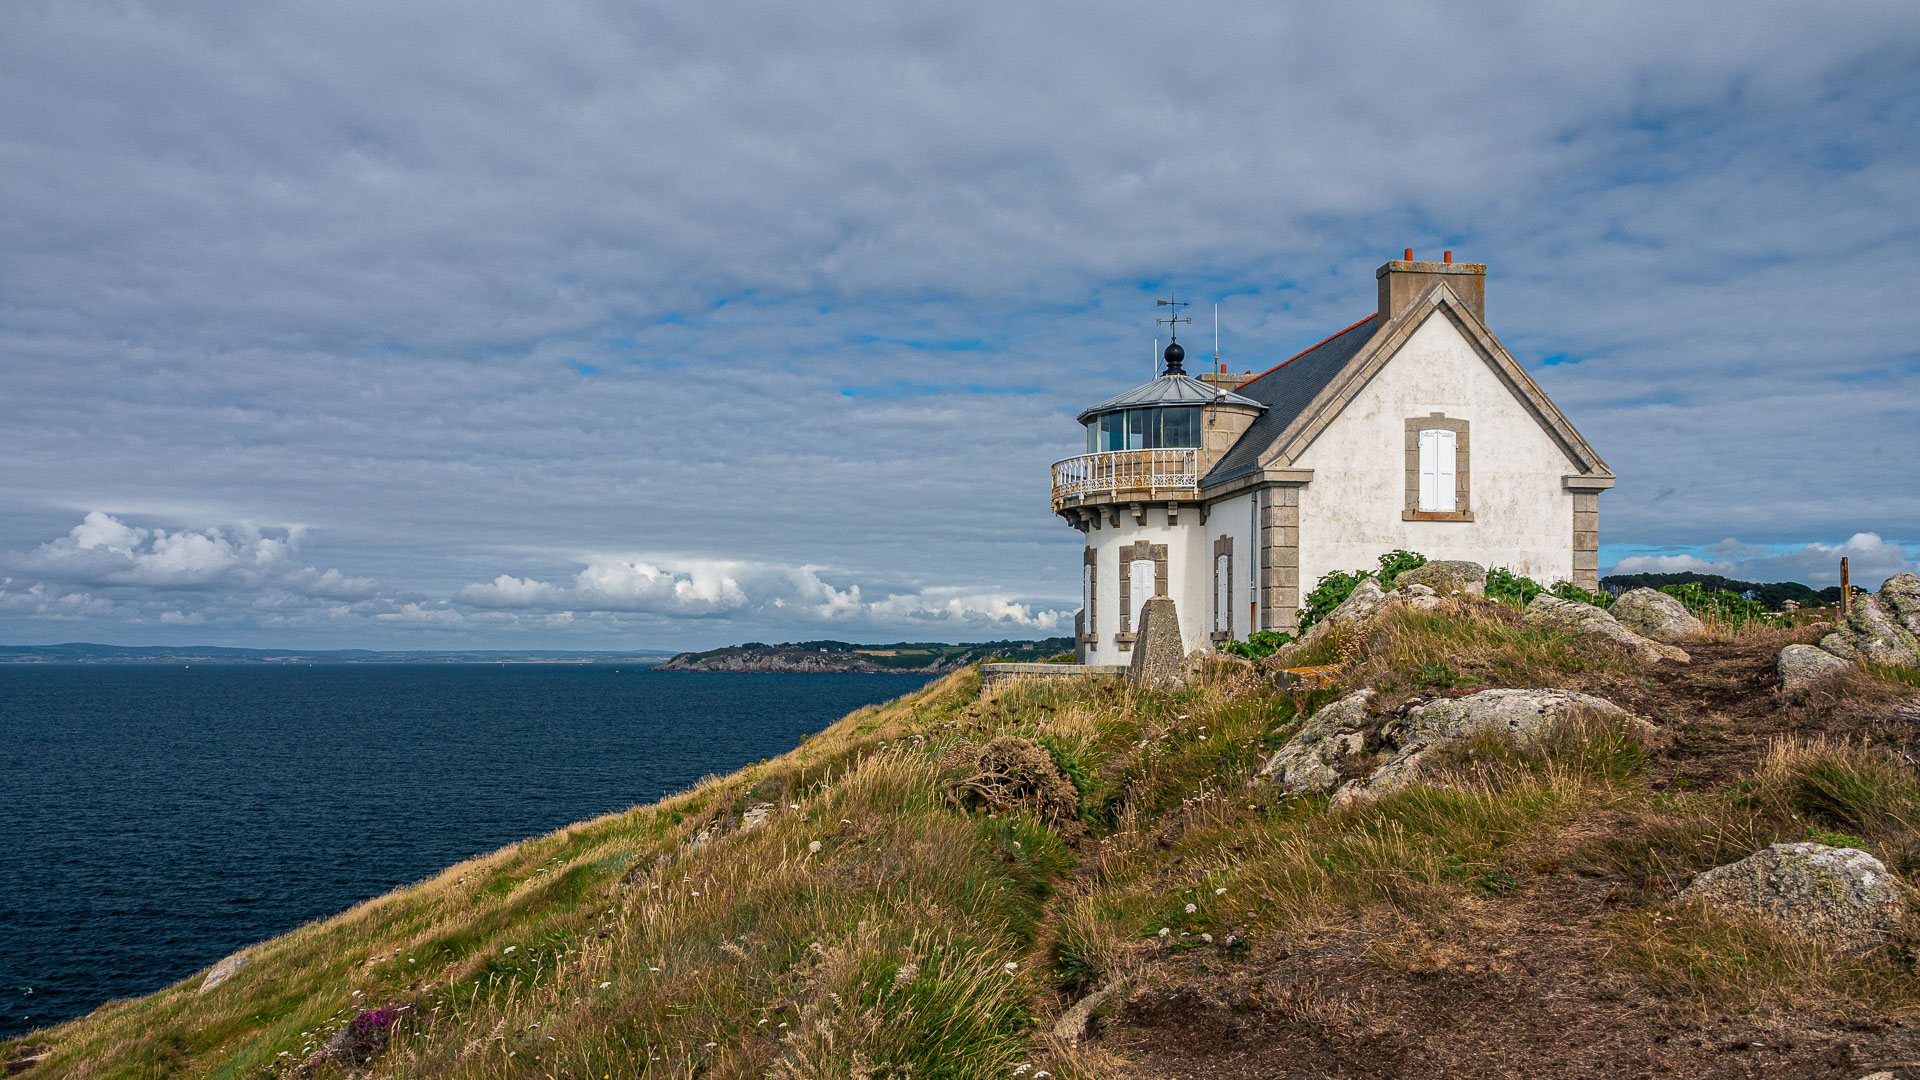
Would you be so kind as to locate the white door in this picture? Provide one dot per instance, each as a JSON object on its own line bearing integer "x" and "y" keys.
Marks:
{"x": 1139, "y": 588}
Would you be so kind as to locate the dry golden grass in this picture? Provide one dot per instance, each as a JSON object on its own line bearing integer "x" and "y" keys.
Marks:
{"x": 866, "y": 927}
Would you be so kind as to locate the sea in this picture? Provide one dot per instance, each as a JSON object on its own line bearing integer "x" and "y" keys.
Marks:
{"x": 156, "y": 817}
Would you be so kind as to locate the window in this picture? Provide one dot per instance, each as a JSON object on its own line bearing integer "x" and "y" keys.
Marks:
{"x": 1437, "y": 457}
{"x": 1439, "y": 476}
{"x": 1145, "y": 429}
{"x": 1089, "y": 576}
{"x": 1179, "y": 427}
{"x": 1223, "y": 588}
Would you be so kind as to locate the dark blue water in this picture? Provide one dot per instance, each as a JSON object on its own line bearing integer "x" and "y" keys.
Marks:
{"x": 155, "y": 819}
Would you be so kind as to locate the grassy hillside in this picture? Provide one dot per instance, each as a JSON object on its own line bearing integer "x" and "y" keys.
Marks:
{"x": 1516, "y": 919}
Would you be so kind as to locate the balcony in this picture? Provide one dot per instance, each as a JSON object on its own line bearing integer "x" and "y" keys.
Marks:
{"x": 1127, "y": 476}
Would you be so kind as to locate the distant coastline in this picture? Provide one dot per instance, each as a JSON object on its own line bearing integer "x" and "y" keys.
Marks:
{"x": 88, "y": 653}
{"x": 847, "y": 658}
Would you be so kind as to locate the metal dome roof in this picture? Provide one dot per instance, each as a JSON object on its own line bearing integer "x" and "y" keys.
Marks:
{"x": 1168, "y": 390}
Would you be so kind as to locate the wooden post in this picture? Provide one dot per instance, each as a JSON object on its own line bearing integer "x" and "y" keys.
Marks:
{"x": 1846, "y": 590}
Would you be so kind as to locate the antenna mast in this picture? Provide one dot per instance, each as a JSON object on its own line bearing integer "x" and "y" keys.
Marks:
{"x": 1216, "y": 339}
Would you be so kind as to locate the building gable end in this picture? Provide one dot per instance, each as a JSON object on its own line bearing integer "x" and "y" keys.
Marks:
{"x": 1438, "y": 298}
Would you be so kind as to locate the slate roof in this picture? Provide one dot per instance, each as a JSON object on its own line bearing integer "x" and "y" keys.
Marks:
{"x": 1286, "y": 391}
{"x": 1166, "y": 390}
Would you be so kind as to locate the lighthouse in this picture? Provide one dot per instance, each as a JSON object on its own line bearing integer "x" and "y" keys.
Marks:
{"x": 1135, "y": 494}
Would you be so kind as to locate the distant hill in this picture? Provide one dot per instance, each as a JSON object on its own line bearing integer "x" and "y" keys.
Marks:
{"x": 80, "y": 652}
{"x": 930, "y": 657}
{"x": 1772, "y": 594}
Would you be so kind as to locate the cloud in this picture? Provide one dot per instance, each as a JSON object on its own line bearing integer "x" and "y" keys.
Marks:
{"x": 697, "y": 589}
{"x": 824, "y": 287}
{"x": 1870, "y": 560}
{"x": 104, "y": 551}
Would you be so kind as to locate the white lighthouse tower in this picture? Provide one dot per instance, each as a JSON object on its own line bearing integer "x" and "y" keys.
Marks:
{"x": 1135, "y": 494}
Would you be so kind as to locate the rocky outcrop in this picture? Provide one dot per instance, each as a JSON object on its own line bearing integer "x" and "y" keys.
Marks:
{"x": 1653, "y": 614}
{"x": 1842, "y": 894}
{"x": 1447, "y": 577}
{"x": 1883, "y": 628}
{"x": 1805, "y": 666}
{"x": 1158, "y": 654}
{"x": 224, "y": 970}
{"x": 1311, "y": 761}
{"x": 1579, "y": 618}
{"x": 1524, "y": 715}
{"x": 1362, "y": 604}
{"x": 1323, "y": 753}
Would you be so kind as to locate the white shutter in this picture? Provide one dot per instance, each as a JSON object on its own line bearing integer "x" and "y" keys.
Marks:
{"x": 1429, "y": 469}
{"x": 1086, "y": 596}
{"x": 1140, "y": 589}
{"x": 1443, "y": 480}
{"x": 1222, "y": 588}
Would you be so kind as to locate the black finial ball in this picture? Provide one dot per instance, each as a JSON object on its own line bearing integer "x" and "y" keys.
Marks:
{"x": 1176, "y": 356}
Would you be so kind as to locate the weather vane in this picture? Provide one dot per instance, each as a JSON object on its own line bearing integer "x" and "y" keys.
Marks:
{"x": 1173, "y": 319}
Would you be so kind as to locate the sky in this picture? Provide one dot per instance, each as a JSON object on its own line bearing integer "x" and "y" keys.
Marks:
{"x": 597, "y": 325}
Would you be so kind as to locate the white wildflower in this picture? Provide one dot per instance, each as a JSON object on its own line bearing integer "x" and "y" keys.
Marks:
{"x": 508, "y": 949}
{"x": 794, "y": 806}
{"x": 1009, "y": 967}
{"x": 1164, "y": 931}
{"x": 1191, "y": 908}
{"x": 606, "y": 984}
{"x": 814, "y": 847}
{"x": 1208, "y": 938}
{"x": 905, "y": 974}
{"x": 1220, "y": 892}
{"x": 1016, "y": 845}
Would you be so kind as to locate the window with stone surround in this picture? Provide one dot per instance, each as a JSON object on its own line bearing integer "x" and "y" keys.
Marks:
{"x": 1089, "y": 586}
{"x": 1439, "y": 474}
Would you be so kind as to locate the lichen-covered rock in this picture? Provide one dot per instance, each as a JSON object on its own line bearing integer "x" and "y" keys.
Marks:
{"x": 1158, "y": 654}
{"x": 1843, "y": 894}
{"x": 1653, "y": 614}
{"x": 1310, "y": 762}
{"x": 1447, "y": 577}
{"x": 1803, "y": 666}
{"x": 1364, "y": 603}
{"x": 224, "y": 970}
{"x": 1523, "y": 714}
{"x": 1579, "y": 618}
{"x": 1419, "y": 596}
{"x": 1883, "y": 628}
{"x": 1900, "y": 594}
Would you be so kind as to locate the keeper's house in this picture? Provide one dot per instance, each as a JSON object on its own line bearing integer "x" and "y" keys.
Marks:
{"x": 1413, "y": 428}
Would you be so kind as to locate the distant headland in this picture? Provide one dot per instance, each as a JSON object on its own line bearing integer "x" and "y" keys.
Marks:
{"x": 808, "y": 657}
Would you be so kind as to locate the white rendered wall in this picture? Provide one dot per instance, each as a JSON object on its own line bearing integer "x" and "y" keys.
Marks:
{"x": 1232, "y": 517}
{"x": 1351, "y": 512}
{"x": 1188, "y": 555}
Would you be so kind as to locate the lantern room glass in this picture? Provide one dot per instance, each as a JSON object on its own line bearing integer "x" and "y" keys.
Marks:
{"x": 1145, "y": 429}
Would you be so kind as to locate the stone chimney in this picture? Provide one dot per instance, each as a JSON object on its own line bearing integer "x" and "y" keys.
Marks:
{"x": 1404, "y": 279}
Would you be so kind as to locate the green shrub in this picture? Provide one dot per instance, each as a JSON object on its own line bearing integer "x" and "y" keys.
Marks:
{"x": 1567, "y": 590}
{"x": 1328, "y": 593}
{"x": 1333, "y": 589}
{"x": 1258, "y": 644}
{"x": 1510, "y": 588}
{"x": 1720, "y": 606}
{"x": 1397, "y": 562}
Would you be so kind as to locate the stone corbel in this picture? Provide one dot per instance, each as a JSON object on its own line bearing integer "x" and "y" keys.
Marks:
{"x": 1173, "y": 512}
{"x": 1113, "y": 516}
{"x": 1203, "y": 513}
{"x": 1139, "y": 513}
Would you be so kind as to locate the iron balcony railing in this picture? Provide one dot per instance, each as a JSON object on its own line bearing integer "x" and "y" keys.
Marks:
{"x": 1143, "y": 473}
